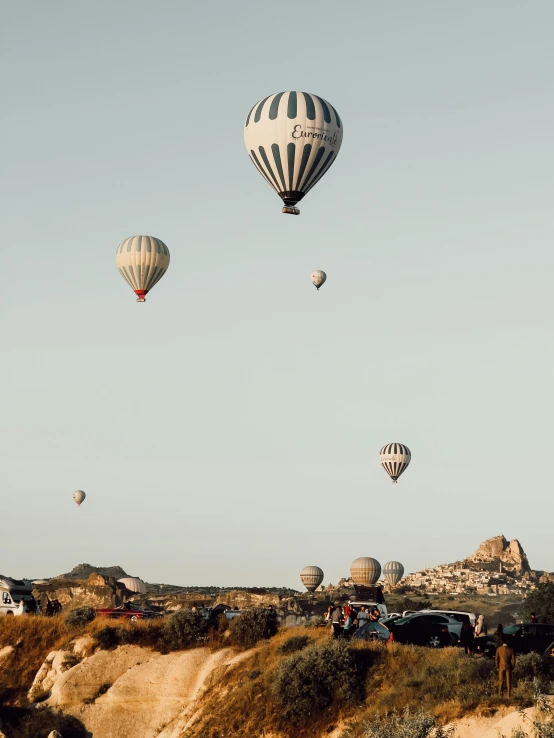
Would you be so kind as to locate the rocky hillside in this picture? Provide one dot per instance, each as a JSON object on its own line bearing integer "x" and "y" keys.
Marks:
{"x": 83, "y": 571}
{"x": 499, "y": 553}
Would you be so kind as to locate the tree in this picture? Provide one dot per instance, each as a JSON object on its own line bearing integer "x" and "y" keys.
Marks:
{"x": 541, "y": 602}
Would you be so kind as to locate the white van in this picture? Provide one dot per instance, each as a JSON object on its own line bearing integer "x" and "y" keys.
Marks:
{"x": 16, "y": 596}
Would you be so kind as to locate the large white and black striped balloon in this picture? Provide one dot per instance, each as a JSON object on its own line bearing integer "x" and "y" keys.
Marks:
{"x": 395, "y": 458}
{"x": 293, "y": 138}
{"x": 142, "y": 261}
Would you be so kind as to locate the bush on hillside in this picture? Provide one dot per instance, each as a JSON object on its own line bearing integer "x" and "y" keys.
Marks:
{"x": 407, "y": 725}
{"x": 253, "y": 626}
{"x": 294, "y": 644}
{"x": 109, "y": 637}
{"x": 19, "y": 723}
{"x": 312, "y": 680}
{"x": 184, "y": 629}
{"x": 80, "y": 617}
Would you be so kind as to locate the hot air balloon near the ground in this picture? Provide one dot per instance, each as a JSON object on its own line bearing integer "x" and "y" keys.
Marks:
{"x": 318, "y": 278}
{"x": 395, "y": 458}
{"x": 293, "y": 138}
{"x": 142, "y": 261}
{"x": 311, "y": 577}
{"x": 79, "y": 496}
{"x": 133, "y": 584}
{"x": 365, "y": 571}
{"x": 393, "y": 572}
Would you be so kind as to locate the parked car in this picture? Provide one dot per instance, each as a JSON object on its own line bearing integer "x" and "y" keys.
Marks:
{"x": 372, "y": 631}
{"x": 426, "y": 629}
{"x": 457, "y": 615}
{"x": 391, "y": 619}
{"x": 129, "y": 611}
{"x": 529, "y": 637}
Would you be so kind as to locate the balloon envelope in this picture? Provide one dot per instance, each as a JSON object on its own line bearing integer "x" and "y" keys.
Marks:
{"x": 311, "y": 577}
{"x": 395, "y": 458}
{"x": 393, "y": 572}
{"x": 318, "y": 278}
{"x": 142, "y": 261}
{"x": 292, "y": 139}
{"x": 79, "y": 496}
{"x": 133, "y": 584}
{"x": 365, "y": 571}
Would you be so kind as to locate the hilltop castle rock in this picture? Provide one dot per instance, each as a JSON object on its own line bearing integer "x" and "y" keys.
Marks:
{"x": 498, "y": 551}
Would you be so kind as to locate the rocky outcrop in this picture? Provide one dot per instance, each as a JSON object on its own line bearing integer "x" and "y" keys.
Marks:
{"x": 97, "y": 591}
{"x": 56, "y": 663}
{"x": 499, "y": 550}
{"x": 134, "y": 691}
{"x": 83, "y": 571}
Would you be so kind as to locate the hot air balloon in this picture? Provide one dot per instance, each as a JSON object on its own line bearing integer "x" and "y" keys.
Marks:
{"x": 395, "y": 458}
{"x": 318, "y": 278}
{"x": 79, "y": 496}
{"x": 142, "y": 261}
{"x": 133, "y": 584}
{"x": 311, "y": 577}
{"x": 393, "y": 572}
{"x": 292, "y": 139}
{"x": 365, "y": 571}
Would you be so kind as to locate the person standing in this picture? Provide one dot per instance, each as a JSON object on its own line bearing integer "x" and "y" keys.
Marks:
{"x": 534, "y": 618}
{"x": 348, "y": 624}
{"x": 505, "y": 662}
{"x": 336, "y": 618}
{"x": 498, "y": 635}
{"x": 479, "y": 626}
{"x": 363, "y": 617}
{"x": 466, "y": 637}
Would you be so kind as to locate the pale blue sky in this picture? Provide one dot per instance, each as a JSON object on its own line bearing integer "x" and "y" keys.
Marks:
{"x": 227, "y": 431}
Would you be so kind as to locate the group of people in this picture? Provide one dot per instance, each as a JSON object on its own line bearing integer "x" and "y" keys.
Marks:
{"x": 344, "y": 621}
{"x": 52, "y": 607}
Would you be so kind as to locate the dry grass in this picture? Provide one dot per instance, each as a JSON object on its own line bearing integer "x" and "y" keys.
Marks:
{"x": 445, "y": 683}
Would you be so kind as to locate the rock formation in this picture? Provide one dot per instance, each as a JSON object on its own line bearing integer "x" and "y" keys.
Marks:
{"x": 97, "y": 591}
{"x": 83, "y": 571}
{"x": 498, "y": 550}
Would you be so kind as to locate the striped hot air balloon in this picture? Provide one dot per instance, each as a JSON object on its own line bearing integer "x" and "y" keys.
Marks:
{"x": 395, "y": 458}
{"x": 393, "y": 572}
{"x": 293, "y": 138}
{"x": 311, "y": 577}
{"x": 365, "y": 571}
{"x": 318, "y": 278}
{"x": 142, "y": 261}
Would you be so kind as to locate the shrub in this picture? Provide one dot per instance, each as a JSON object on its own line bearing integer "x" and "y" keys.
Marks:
{"x": 310, "y": 681}
{"x": 294, "y": 644}
{"x": 184, "y": 629}
{"x": 418, "y": 725}
{"x": 40, "y": 723}
{"x": 79, "y": 617}
{"x": 109, "y": 638}
{"x": 252, "y": 626}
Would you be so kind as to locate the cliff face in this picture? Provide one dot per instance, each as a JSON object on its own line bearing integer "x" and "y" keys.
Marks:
{"x": 96, "y": 591}
{"x": 498, "y": 550}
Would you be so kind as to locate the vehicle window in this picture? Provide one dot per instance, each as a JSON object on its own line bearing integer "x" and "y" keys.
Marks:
{"x": 512, "y": 629}
{"x": 6, "y": 599}
{"x": 529, "y": 630}
{"x": 401, "y": 621}
{"x": 436, "y": 619}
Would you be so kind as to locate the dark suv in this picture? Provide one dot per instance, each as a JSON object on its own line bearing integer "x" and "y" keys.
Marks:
{"x": 424, "y": 629}
{"x": 528, "y": 637}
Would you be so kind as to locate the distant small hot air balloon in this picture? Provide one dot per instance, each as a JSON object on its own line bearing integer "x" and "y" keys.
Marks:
{"x": 311, "y": 577}
{"x": 365, "y": 571}
{"x": 293, "y": 138}
{"x": 393, "y": 572}
{"x": 142, "y": 261}
{"x": 395, "y": 458}
{"x": 133, "y": 584}
{"x": 318, "y": 278}
{"x": 79, "y": 496}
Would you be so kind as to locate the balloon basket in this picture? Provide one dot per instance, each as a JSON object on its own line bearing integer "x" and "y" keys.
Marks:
{"x": 291, "y": 211}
